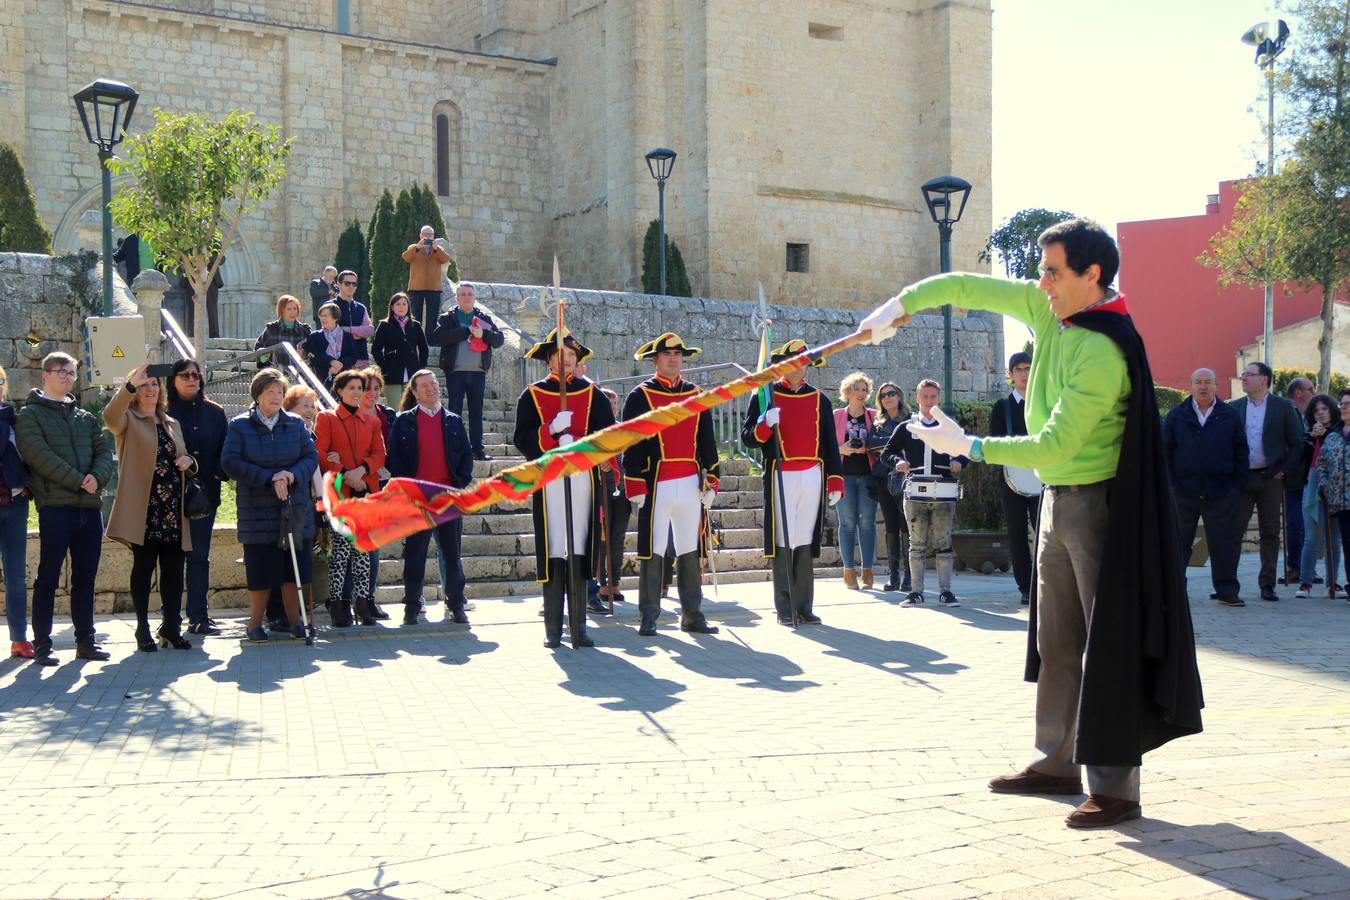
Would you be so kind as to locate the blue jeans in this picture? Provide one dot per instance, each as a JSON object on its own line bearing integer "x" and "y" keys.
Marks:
{"x": 79, "y": 532}
{"x": 199, "y": 568}
{"x": 857, "y": 522}
{"x": 1324, "y": 528}
{"x": 13, "y": 558}
{"x": 459, "y": 385}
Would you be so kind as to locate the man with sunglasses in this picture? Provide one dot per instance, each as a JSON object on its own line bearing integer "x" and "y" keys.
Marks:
{"x": 355, "y": 318}
{"x": 70, "y": 461}
{"x": 1110, "y": 643}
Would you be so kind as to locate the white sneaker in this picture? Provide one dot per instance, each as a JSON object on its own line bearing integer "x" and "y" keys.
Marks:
{"x": 1303, "y": 591}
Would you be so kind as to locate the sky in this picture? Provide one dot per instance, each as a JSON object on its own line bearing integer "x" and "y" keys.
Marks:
{"x": 1122, "y": 111}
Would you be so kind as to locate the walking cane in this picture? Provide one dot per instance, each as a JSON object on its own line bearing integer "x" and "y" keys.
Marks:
{"x": 287, "y": 510}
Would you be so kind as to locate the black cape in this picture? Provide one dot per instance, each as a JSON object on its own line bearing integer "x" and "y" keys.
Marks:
{"x": 1141, "y": 686}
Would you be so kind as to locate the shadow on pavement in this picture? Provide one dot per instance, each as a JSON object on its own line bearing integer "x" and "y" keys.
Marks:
{"x": 724, "y": 656}
{"x": 901, "y": 658}
{"x": 625, "y": 687}
{"x": 1254, "y": 863}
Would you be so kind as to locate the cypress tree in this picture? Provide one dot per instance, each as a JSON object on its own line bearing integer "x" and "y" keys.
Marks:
{"x": 21, "y": 229}
{"x": 677, "y": 278}
{"x": 353, "y": 254}
{"x": 388, "y": 271}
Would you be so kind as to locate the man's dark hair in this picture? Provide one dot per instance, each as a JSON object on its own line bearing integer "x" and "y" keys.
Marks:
{"x": 1085, "y": 243}
{"x": 1310, "y": 416}
{"x": 1263, "y": 369}
{"x": 345, "y": 272}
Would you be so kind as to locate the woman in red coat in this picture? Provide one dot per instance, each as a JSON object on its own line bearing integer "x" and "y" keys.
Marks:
{"x": 350, "y": 441}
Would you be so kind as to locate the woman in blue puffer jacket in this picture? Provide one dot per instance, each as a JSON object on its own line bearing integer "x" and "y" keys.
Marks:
{"x": 271, "y": 457}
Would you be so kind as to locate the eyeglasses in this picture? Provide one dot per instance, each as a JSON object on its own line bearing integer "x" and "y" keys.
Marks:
{"x": 1050, "y": 273}
{"x": 886, "y": 395}
{"x": 190, "y": 375}
{"x": 62, "y": 373}
{"x": 348, "y": 283}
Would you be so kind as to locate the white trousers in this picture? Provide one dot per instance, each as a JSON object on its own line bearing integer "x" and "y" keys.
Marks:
{"x": 676, "y": 508}
{"x": 802, "y": 492}
{"x": 555, "y": 506}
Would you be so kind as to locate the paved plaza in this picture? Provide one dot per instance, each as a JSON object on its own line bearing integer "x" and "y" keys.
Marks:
{"x": 847, "y": 760}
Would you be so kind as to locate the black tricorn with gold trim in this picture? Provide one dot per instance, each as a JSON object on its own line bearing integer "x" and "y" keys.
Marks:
{"x": 790, "y": 349}
{"x": 542, "y": 350}
{"x": 668, "y": 341}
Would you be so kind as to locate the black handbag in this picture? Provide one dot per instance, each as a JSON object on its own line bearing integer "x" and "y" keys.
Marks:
{"x": 196, "y": 502}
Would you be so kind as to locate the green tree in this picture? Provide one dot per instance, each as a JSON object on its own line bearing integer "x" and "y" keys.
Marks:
{"x": 193, "y": 179}
{"x": 388, "y": 271}
{"x": 353, "y": 254}
{"x": 677, "y": 277}
{"x": 1014, "y": 241}
{"x": 21, "y": 230}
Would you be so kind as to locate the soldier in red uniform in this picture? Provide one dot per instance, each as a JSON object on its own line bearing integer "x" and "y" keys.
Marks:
{"x": 671, "y": 479}
{"x": 810, "y": 474}
{"x": 540, "y": 427}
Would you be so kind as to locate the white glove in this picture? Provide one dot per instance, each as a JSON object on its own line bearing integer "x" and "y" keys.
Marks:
{"x": 881, "y": 323}
{"x": 771, "y": 417}
{"x": 564, "y": 439}
{"x": 947, "y": 437}
{"x": 709, "y": 497}
{"x": 561, "y": 422}
{"x": 639, "y": 501}
{"x": 835, "y": 496}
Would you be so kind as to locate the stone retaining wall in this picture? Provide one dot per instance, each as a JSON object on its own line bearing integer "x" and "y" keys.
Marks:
{"x": 614, "y": 324}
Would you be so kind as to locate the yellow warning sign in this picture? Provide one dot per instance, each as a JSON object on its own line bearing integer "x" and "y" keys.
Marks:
{"x": 117, "y": 352}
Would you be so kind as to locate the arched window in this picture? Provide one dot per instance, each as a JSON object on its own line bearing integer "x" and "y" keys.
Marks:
{"x": 446, "y": 119}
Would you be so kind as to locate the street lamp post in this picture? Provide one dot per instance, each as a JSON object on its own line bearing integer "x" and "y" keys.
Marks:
{"x": 105, "y": 110}
{"x": 938, "y": 194}
{"x": 660, "y": 162}
{"x": 1267, "y": 48}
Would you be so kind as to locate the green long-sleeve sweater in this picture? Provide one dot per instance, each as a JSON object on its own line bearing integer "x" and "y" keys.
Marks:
{"x": 1079, "y": 384}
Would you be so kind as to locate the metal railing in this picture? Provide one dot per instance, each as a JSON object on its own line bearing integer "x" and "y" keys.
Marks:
{"x": 176, "y": 341}
{"x": 229, "y": 378}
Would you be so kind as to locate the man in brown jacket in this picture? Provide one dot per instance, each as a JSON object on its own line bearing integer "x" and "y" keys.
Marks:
{"x": 426, "y": 260}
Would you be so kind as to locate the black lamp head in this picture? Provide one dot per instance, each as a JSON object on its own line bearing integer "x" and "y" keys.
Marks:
{"x": 105, "y": 110}
{"x": 660, "y": 162}
{"x": 939, "y": 193}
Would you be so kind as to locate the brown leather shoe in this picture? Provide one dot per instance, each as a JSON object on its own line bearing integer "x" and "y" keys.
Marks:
{"x": 851, "y": 579}
{"x": 867, "y": 579}
{"x": 1100, "y": 811}
{"x": 1029, "y": 781}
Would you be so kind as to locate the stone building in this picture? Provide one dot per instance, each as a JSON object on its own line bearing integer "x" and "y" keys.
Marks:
{"x": 803, "y": 129}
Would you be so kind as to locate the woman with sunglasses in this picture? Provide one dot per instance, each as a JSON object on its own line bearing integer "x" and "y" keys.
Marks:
{"x": 203, "y": 424}
{"x": 891, "y": 411}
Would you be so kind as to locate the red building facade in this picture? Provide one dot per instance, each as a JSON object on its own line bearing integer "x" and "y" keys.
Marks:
{"x": 1186, "y": 319}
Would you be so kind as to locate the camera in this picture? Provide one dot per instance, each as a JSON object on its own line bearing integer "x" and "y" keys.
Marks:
{"x": 856, "y": 443}
{"x": 428, "y": 241}
{"x": 159, "y": 370}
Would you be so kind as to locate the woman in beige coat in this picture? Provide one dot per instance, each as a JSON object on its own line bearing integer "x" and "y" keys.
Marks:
{"x": 147, "y": 513}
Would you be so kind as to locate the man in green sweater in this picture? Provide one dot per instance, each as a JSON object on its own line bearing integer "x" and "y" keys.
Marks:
{"x": 70, "y": 461}
{"x": 1110, "y": 628}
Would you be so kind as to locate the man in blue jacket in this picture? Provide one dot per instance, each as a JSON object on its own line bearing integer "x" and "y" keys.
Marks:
{"x": 429, "y": 443}
{"x": 1206, "y": 446}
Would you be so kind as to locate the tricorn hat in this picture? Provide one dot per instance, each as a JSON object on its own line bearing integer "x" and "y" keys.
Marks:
{"x": 792, "y": 348}
{"x": 544, "y": 348}
{"x": 668, "y": 341}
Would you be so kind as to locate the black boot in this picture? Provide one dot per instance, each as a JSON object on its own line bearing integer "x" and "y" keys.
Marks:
{"x": 144, "y": 642}
{"x": 171, "y": 636}
{"x": 42, "y": 652}
{"x": 363, "y": 613}
{"x": 690, "y": 581}
{"x": 341, "y": 612}
{"x": 87, "y": 649}
{"x": 553, "y": 604}
{"x": 804, "y": 585}
{"x": 893, "y": 560}
{"x": 649, "y": 593}
{"x": 578, "y": 628}
{"x": 782, "y": 599}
